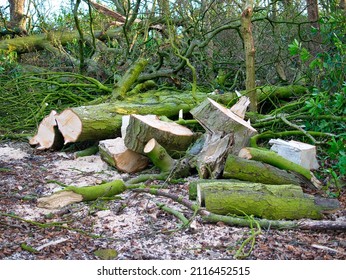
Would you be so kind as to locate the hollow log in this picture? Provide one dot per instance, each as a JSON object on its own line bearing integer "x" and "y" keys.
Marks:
{"x": 265, "y": 201}
{"x": 115, "y": 153}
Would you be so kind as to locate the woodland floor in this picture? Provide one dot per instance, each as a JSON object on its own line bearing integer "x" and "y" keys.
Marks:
{"x": 132, "y": 225}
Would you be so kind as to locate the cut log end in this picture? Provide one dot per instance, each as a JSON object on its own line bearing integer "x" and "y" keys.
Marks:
{"x": 47, "y": 135}
{"x": 115, "y": 153}
{"x": 170, "y": 127}
{"x": 150, "y": 146}
{"x": 70, "y": 125}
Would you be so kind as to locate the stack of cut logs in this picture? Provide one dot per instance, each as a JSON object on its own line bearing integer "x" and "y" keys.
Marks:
{"x": 234, "y": 178}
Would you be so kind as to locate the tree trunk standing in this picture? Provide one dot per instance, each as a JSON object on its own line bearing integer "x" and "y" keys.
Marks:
{"x": 246, "y": 30}
{"x": 313, "y": 17}
{"x": 17, "y": 24}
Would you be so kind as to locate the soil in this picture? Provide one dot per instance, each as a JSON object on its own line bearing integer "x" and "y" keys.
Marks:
{"x": 132, "y": 224}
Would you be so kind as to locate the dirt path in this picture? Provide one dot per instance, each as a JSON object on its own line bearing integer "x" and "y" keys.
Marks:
{"x": 132, "y": 225}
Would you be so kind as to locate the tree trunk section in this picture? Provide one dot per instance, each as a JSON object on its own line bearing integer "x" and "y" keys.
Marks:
{"x": 173, "y": 137}
{"x": 274, "y": 159}
{"x": 89, "y": 123}
{"x": 159, "y": 156}
{"x": 48, "y": 136}
{"x": 215, "y": 118}
{"x": 115, "y": 153}
{"x": 265, "y": 201}
{"x": 255, "y": 171}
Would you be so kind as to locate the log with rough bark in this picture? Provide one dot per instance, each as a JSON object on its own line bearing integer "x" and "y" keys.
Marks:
{"x": 265, "y": 201}
{"x": 173, "y": 137}
{"x": 259, "y": 172}
{"x": 115, "y": 153}
{"x": 72, "y": 194}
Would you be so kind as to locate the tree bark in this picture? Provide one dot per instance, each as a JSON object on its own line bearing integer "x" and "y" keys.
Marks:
{"x": 249, "y": 47}
{"x": 265, "y": 201}
{"x": 313, "y": 17}
{"x": 274, "y": 159}
{"x": 17, "y": 24}
{"x": 255, "y": 171}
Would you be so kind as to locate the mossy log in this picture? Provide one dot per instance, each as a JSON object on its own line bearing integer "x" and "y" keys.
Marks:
{"x": 274, "y": 159}
{"x": 193, "y": 185}
{"x": 258, "y": 172}
{"x": 248, "y": 221}
{"x": 264, "y": 201}
{"x": 116, "y": 154}
{"x": 38, "y": 42}
{"x": 141, "y": 129}
{"x": 72, "y": 194}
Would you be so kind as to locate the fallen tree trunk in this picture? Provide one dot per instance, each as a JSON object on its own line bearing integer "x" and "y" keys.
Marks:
{"x": 82, "y": 123}
{"x": 38, "y": 42}
{"x": 258, "y": 172}
{"x": 209, "y": 217}
{"x": 265, "y": 201}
